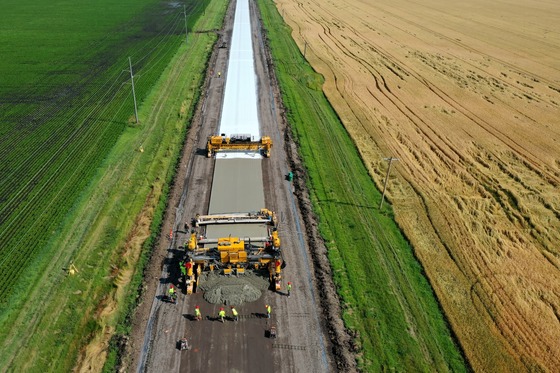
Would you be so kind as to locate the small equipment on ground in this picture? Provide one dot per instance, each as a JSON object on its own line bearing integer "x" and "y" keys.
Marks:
{"x": 272, "y": 331}
{"x": 183, "y": 344}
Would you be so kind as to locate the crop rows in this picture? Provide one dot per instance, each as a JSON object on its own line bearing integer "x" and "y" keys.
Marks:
{"x": 51, "y": 147}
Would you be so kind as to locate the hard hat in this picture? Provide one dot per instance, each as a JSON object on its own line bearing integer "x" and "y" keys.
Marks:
{"x": 221, "y": 308}
{"x": 289, "y": 283}
{"x": 196, "y": 307}
{"x": 231, "y": 306}
{"x": 171, "y": 286}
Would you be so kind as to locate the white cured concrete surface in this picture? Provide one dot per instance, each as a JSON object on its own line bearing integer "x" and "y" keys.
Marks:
{"x": 239, "y": 110}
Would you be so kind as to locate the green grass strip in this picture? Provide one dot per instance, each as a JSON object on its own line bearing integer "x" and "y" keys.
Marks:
{"x": 385, "y": 297}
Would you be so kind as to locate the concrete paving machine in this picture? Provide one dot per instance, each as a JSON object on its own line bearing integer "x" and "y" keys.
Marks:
{"x": 207, "y": 250}
{"x": 240, "y": 142}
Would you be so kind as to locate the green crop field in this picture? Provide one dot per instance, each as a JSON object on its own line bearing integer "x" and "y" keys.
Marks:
{"x": 65, "y": 97}
{"x": 74, "y": 182}
{"x": 385, "y": 297}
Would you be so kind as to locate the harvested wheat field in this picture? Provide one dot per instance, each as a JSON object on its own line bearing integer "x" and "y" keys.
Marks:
{"x": 466, "y": 95}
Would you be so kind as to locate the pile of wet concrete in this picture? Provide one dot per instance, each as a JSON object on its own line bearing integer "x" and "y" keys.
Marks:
{"x": 233, "y": 290}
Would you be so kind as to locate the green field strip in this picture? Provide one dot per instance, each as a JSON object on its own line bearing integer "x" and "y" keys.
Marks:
{"x": 385, "y": 297}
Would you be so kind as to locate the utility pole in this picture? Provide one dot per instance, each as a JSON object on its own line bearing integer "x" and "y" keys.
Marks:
{"x": 186, "y": 23}
{"x": 386, "y": 179}
{"x": 133, "y": 93}
{"x": 304, "y": 49}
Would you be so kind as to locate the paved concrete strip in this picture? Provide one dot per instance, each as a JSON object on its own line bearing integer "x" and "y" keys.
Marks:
{"x": 237, "y": 187}
{"x": 243, "y": 154}
{"x": 240, "y": 110}
{"x": 236, "y": 230}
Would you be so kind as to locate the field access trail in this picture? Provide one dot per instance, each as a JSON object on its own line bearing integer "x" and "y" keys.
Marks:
{"x": 467, "y": 97}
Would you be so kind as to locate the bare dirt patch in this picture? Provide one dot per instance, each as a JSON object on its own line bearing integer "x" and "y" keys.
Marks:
{"x": 467, "y": 96}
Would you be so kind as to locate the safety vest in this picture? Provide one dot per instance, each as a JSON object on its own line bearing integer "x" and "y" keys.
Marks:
{"x": 171, "y": 291}
{"x": 268, "y": 309}
{"x": 222, "y": 313}
{"x": 197, "y": 312}
{"x": 289, "y": 287}
{"x": 234, "y": 311}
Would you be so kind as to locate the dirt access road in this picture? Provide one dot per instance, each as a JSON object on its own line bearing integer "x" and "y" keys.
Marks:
{"x": 311, "y": 336}
{"x": 466, "y": 94}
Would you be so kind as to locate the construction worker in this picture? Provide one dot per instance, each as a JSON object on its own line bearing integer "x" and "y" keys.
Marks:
{"x": 189, "y": 267}
{"x": 183, "y": 269}
{"x": 268, "y": 310}
{"x": 172, "y": 294}
{"x": 289, "y": 288}
{"x": 197, "y": 314}
{"x": 235, "y": 314}
{"x": 222, "y": 314}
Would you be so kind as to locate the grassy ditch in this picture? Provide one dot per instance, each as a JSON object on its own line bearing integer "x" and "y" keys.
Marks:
{"x": 385, "y": 297}
{"x": 66, "y": 320}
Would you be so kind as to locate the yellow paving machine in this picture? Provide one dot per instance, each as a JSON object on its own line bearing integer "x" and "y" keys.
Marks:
{"x": 234, "y": 255}
{"x": 239, "y": 143}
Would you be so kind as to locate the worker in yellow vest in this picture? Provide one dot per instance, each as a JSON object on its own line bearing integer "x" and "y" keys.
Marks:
{"x": 235, "y": 314}
{"x": 172, "y": 295}
{"x": 222, "y": 314}
{"x": 289, "y": 288}
{"x": 268, "y": 310}
{"x": 197, "y": 314}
